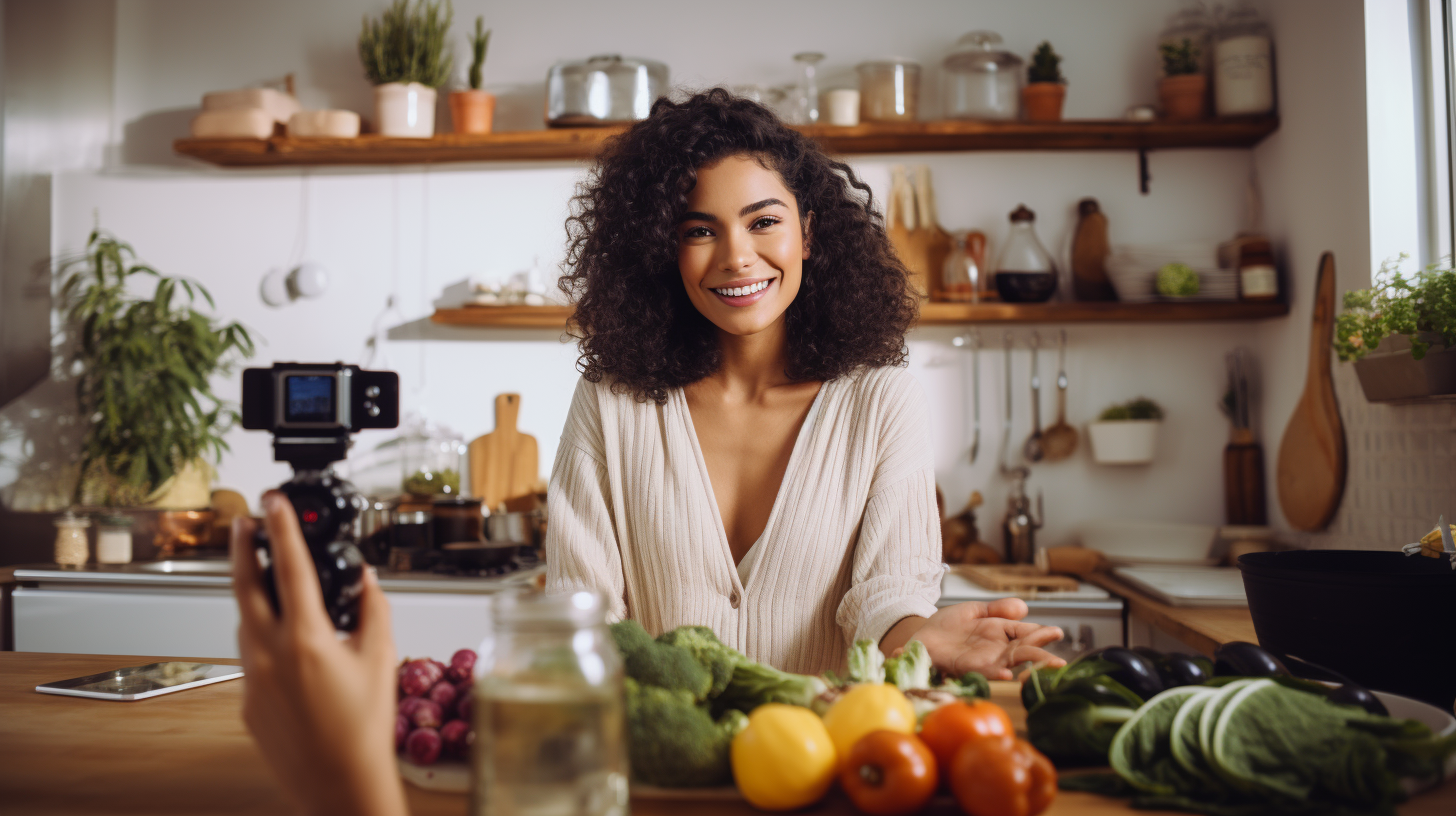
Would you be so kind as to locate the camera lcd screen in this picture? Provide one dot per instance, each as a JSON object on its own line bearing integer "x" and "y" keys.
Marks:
{"x": 309, "y": 398}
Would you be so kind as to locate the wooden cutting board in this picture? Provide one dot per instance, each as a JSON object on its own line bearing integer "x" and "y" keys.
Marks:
{"x": 910, "y": 221}
{"x": 1312, "y": 461}
{"x": 1014, "y": 577}
{"x": 503, "y": 462}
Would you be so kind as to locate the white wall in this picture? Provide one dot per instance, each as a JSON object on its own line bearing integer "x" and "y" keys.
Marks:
{"x": 407, "y": 231}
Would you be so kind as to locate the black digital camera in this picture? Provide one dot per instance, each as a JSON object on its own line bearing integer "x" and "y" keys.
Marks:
{"x": 313, "y": 410}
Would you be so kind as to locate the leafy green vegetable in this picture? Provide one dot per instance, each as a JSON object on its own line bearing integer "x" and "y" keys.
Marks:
{"x": 658, "y": 664}
{"x": 1142, "y": 753}
{"x": 673, "y": 742}
{"x": 1183, "y": 738}
{"x": 911, "y": 669}
{"x": 1140, "y": 408}
{"x": 709, "y": 651}
{"x": 754, "y": 684}
{"x": 1177, "y": 280}
{"x": 866, "y": 662}
{"x": 1073, "y": 730}
{"x": 970, "y": 686}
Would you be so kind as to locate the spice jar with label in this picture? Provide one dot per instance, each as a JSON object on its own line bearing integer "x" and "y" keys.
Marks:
{"x": 1258, "y": 278}
{"x": 1243, "y": 59}
{"x": 73, "y": 548}
{"x": 113, "y": 539}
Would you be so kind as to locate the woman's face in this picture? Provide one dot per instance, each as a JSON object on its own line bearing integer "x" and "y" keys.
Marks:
{"x": 741, "y": 245}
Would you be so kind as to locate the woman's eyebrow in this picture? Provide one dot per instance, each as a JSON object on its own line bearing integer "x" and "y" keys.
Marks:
{"x": 694, "y": 215}
{"x": 767, "y": 202}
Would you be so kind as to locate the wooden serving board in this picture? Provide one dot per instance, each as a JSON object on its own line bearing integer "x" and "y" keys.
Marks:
{"x": 1015, "y": 578}
{"x": 1311, "y": 470}
{"x": 503, "y": 463}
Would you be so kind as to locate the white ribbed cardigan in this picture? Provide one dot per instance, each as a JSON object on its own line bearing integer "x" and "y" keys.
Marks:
{"x": 852, "y": 543}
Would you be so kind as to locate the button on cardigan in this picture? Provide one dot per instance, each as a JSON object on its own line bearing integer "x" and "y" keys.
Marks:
{"x": 852, "y": 543}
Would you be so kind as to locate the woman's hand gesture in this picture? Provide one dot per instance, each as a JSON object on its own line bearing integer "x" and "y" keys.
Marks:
{"x": 986, "y": 638}
{"x": 320, "y": 706}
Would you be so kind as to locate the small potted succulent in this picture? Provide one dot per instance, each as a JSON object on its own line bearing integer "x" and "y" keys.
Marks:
{"x": 472, "y": 111}
{"x": 1183, "y": 90}
{"x": 1401, "y": 333}
{"x": 404, "y": 55}
{"x": 1046, "y": 88}
{"x": 1126, "y": 434}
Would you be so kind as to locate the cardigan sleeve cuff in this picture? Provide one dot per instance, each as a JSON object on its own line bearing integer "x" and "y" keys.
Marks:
{"x": 875, "y": 624}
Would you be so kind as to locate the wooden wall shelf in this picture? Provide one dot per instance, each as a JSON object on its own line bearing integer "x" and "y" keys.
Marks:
{"x": 584, "y": 143}
{"x": 931, "y": 314}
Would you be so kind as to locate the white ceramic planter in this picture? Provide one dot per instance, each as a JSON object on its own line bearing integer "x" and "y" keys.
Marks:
{"x": 404, "y": 109}
{"x": 1124, "y": 442}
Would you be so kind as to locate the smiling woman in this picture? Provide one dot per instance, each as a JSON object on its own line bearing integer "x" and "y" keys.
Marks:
{"x": 745, "y": 451}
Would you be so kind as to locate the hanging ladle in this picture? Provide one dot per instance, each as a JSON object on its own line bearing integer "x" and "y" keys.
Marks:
{"x": 1060, "y": 440}
{"x": 1033, "y": 450}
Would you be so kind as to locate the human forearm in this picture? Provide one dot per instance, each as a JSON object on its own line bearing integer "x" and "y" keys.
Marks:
{"x": 900, "y": 634}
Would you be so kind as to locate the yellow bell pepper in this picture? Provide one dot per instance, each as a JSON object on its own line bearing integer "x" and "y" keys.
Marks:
{"x": 783, "y": 759}
{"x": 864, "y": 708}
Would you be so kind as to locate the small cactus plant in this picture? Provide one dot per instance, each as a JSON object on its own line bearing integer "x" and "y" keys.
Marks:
{"x": 478, "y": 42}
{"x": 1045, "y": 65}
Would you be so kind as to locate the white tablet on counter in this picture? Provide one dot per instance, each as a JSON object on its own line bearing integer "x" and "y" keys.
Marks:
{"x": 137, "y": 682}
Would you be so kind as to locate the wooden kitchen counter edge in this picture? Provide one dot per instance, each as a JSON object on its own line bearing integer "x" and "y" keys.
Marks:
{"x": 1203, "y": 628}
{"x": 188, "y": 752}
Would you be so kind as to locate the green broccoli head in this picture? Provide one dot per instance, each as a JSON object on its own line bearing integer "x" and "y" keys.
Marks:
{"x": 672, "y": 742}
{"x": 1177, "y": 280}
{"x": 866, "y": 662}
{"x": 709, "y": 651}
{"x": 651, "y": 663}
{"x": 754, "y": 684}
{"x": 911, "y": 669}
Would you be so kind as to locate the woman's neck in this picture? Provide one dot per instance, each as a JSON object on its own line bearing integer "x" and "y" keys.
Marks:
{"x": 752, "y": 364}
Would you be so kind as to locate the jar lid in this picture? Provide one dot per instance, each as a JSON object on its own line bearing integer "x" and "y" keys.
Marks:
{"x": 534, "y": 608}
{"x": 1021, "y": 213}
{"x": 115, "y": 520}
{"x": 888, "y": 62}
{"x": 973, "y": 53}
{"x": 608, "y": 63}
{"x": 70, "y": 519}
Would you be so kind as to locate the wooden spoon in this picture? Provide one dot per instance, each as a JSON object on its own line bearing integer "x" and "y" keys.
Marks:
{"x": 1060, "y": 440}
{"x": 1311, "y": 471}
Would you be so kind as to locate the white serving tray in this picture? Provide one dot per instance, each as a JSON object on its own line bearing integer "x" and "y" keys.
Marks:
{"x": 1188, "y": 586}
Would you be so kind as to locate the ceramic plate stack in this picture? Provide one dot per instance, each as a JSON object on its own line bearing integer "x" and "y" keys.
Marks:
{"x": 1134, "y": 269}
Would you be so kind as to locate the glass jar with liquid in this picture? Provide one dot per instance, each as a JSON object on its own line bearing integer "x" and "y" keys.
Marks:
{"x": 1025, "y": 272}
{"x": 550, "y": 731}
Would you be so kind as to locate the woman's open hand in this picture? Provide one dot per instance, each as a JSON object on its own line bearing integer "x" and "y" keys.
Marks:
{"x": 320, "y": 706}
{"x": 986, "y": 638}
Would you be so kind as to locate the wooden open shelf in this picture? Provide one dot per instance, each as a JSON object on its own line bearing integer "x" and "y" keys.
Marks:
{"x": 932, "y": 314}
{"x": 584, "y": 143}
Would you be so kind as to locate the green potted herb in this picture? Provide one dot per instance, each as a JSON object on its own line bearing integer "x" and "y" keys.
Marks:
{"x": 149, "y": 417}
{"x": 1401, "y": 333}
{"x": 1126, "y": 434}
{"x": 1041, "y": 99}
{"x": 472, "y": 111}
{"x": 405, "y": 56}
{"x": 1183, "y": 90}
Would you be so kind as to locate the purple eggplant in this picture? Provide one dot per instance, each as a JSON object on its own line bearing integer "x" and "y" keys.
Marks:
{"x": 1241, "y": 659}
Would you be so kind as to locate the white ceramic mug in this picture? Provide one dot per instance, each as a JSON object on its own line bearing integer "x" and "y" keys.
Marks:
{"x": 843, "y": 105}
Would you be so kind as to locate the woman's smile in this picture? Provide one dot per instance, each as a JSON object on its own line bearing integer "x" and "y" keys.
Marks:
{"x": 743, "y": 293}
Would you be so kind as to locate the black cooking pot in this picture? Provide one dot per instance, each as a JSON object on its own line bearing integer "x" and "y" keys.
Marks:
{"x": 479, "y": 555}
{"x": 1383, "y": 618}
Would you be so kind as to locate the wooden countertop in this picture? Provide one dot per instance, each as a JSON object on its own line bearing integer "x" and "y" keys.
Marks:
{"x": 189, "y": 753}
{"x": 1203, "y": 628}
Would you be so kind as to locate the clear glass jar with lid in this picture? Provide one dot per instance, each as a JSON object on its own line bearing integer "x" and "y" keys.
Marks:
{"x": 432, "y": 459}
{"x": 981, "y": 82}
{"x": 889, "y": 90}
{"x": 550, "y": 731}
{"x": 73, "y": 547}
{"x": 1025, "y": 272}
{"x": 1243, "y": 64}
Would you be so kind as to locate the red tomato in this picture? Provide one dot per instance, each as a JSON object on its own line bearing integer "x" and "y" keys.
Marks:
{"x": 952, "y": 725}
{"x": 888, "y": 773}
{"x": 1002, "y": 776}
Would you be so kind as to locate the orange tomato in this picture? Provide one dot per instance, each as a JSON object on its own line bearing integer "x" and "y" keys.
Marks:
{"x": 888, "y": 773}
{"x": 1002, "y": 776}
{"x": 952, "y": 725}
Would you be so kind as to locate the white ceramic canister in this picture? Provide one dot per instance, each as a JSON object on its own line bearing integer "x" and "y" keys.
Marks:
{"x": 843, "y": 105}
{"x": 404, "y": 110}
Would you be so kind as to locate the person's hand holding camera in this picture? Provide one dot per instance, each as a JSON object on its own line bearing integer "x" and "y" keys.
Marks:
{"x": 320, "y": 705}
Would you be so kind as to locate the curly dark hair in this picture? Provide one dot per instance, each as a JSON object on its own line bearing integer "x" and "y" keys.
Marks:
{"x": 634, "y": 321}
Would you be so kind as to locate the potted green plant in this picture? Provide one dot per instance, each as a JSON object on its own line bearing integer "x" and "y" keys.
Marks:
{"x": 1183, "y": 90}
{"x": 149, "y": 416}
{"x": 1126, "y": 434}
{"x": 1046, "y": 88}
{"x": 1401, "y": 333}
{"x": 405, "y": 56}
{"x": 471, "y": 111}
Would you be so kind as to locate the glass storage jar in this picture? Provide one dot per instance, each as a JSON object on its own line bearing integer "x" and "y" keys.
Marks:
{"x": 72, "y": 548}
{"x": 113, "y": 539}
{"x": 965, "y": 267}
{"x": 1025, "y": 272}
{"x": 982, "y": 83}
{"x": 432, "y": 459}
{"x": 550, "y": 734}
{"x": 889, "y": 90}
{"x": 602, "y": 90}
{"x": 1243, "y": 60}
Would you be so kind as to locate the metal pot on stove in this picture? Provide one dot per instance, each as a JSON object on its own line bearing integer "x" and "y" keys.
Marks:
{"x": 602, "y": 90}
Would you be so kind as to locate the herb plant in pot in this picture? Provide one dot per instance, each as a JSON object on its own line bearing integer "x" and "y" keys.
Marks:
{"x": 1183, "y": 90}
{"x": 142, "y": 367}
{"x": 1126, "y": 434}
{"x": 1046, "y": 88}
{"x": 1401, "y": 333}
{"x": 404, "y": 55}
{"x": 472, "y": 111}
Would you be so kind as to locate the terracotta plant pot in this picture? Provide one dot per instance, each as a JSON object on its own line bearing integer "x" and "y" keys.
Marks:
{"x": 1184, "y": 97}
{"x": 471, "y": 111}
{"x": 404, "y": 109}
{"x": 1042, "y": 101}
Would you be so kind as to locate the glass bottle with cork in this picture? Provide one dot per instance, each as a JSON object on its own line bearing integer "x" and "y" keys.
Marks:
{"x": 1025, "y": 272}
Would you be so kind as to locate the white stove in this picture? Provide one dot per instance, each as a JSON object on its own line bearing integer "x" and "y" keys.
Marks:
{"x": 1089, "y": 616}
